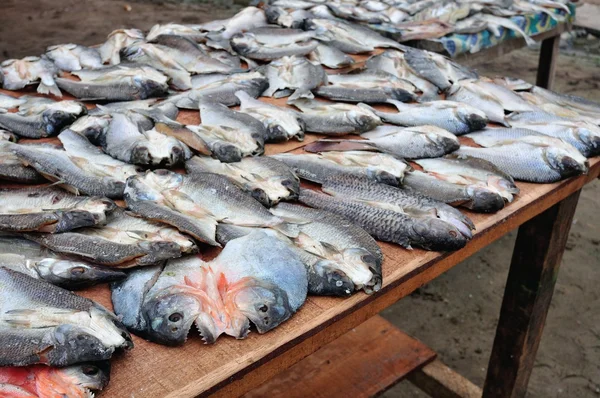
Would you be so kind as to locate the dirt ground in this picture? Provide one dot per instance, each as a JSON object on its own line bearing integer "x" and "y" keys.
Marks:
{"x": 457, "y": 313}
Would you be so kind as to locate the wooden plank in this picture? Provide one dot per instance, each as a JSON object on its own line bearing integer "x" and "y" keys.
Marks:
{"x": 529, "y": 288}
{"x": 547, "y": 62}
{"x": 439, "y": 381}
{"x": 363, "y": 362}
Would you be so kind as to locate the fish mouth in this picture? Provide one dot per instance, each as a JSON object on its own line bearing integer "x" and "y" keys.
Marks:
{"x": 374, "y": 284}
{"x": 476, "y": 122}
{"x": 484, "y": 200}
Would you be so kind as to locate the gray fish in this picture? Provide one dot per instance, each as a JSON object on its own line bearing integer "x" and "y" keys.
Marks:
{"x": 255, "y": 279}
{"x": 527, "y": 162}
{"x": 571, "y": 101}
{"x": 187, "y": 31}
{"x": 368, "y": 87}
{"x": 12, "y": 169}
{"x": 266, "y": 179}
{"x": 225, "y": 143}
{"x": 387, "y": 197}
{"x": 509, "y": 100}
{"x": 389, "y": 225}
{"x": 474, "y": 94}
{"x": 407, "y": 143}
{"x": 7, "y": 136}
{"x": 455, "y": 117}
{"x": 353, "y": 251}
{"x": 9, "y": 102}
{"x": 511, "y": 83}
{"x": 271, "y": 42}
{"x": 330, "y": 57}
{"x": 291, "y": 18}
{"x": 495, "y": 23}
{"x": 125, "y": 241}
{"x": 118, "y": 39}
{"x": 70, "y": 57}
{"x": 281, "y": 123}
{"x": 221, "y": 88}
{"x": 295, "y": 74}
{"x": 224, "y": 29}
{"x": 582, "y": 135}
{"x": 125, "y": 88}
{"x": 45, "y": 324}
{"x": 43, "y": 120}
{"x": 76, "y": 174}
{"x": 436, "y": 68}
{"x": 30, "y": 258}
{"x": 392, "y": 61}
{"x": 380, "y": 167}
{"x": 336, "y": 119}
{"x": 93, "y": 127}
{"x": 348, "y": 37}
{"x": 49, "y": 209}
{"x": 19, "y": 73}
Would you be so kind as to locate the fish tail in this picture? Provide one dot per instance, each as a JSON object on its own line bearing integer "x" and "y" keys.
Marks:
{"x": 45, "y": 89}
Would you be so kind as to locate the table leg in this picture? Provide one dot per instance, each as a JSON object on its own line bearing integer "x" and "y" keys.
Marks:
{"x": 547, "y": 62}
{"x": 533, "y": 271}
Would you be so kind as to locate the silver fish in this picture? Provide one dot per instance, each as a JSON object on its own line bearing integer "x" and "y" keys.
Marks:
{"x": 495, "y": 23}
{"x": 187, "y": 31}
{"x": 380, "y": 167}
{"x": 272, "y": 42}
{"x": 330, "y": 57}
{"x": 436, "y": 68}
{"x": 288, "y": 18}
{"x": 49, "y": 209}
{"x": 571, "y": 101}
{"x": 125, "y": 241}
{"x": 281, "y": 123}
{"x": 42, "y": 119}
{"x": 389, "y": 225}
{"x": 220, "y": 30}
{"x": 31, "y": 259}
{"x": 455, "y": 117}
{"x": 70, "y": 57}
{"x": 295, "y": 74}
{"x": 42, "y": 323}
{"x": 9, "y": 102}
{"x": 509, "y": 99}
{"x": 474, "y": 94}
{"x": 255, "y": 279}
{"x": 7, "y": 136}
{"x": 367, "y": 87}
{"x": 117, "y": 40}
{"x": 336, "y": 119}
{"x": 12, "y": 169}
{"x": 18, "y": 73}
{"x": 266, "y": 179}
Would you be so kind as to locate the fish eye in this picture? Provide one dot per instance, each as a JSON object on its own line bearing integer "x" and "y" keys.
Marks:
{"x": 453, "y": 234}
{"x": 367, "y": 258}
{"x": 175, "y": 317}
{"x": 77, "y": 270}
{"x": 90, "y": 370}
{"x": 263, "y": 308}
{"x": 287, "y": 183}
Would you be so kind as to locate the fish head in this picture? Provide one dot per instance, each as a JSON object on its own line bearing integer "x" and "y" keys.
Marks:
{"x": 170, "y": 316}
{"x": 590, "y": 138}
{"x": 328, "y": 279}
{"x": 364, "y": 119}
{"x": 73, "y": 344}
{"x": 263, "y": 303}
{"x": 443, "y": 139}
{"x": 474, "y": 118}
{"x": 484, "y": 199}
{"x": 227, "y": 152}
{"x": 563, "y": 162}
{"x": 244, "y": 43}
{"x": 149, "y": 88}
{"x": 163, "y": 179}
{"x": 76, "y": 274}
{"x": 435, "y": 234}
{"x": 91, "y": 375}
{"x": 364, "y": 268}
{"x": 92, "y": 126}
{"x": 55, "y": 120}
{"x": 99, "y": 208}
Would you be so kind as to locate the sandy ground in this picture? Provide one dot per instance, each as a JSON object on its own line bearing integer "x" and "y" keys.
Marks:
{"x": 457, "y": 313}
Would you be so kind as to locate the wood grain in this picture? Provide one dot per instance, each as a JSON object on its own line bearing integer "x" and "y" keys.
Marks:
{"x": 439, "y": 381}
{"x": 362, "y": 363}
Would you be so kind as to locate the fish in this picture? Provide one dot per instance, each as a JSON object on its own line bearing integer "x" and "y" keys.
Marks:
{"x": 115, "y": 87}
{"x": 582, "y": 135}
{"x": 19, "y": 73}
{"x": 43, "y": 120}
{"x": 50, "y": 209}
{"x": 31, "y": 259}
{"x": 449, "y": 12}
{"x": 508, "y": 98}
{"x": 293, "y": 75}
{"x": 125, "y": 141}
{"x": 76, "y": 381}
{"x": 125, "y": 70}
{"x": 495, "y": 23}
{"x": 404, "y": 142}
{"x": 418, "y": 30}
{"x": 330, "y": 57}
{"x": 7, "y": 136}
{"x": 380, "y": 167}
{"x": 255, "y": 279}
{"x": 571, "y": 101}
{"x": 118, "y": 39}
{"x": 512, "y": 83}
{"x": 203, "y": 198}
{"x": 187, "y": 31}
{"x": 436, "y": 68}
{"x": 190, "y": 55}
{"x": 528, "y": 162}
{"x": 93, "y": 126}
{"x": 272, "y": 42}
{"x": 392, "y": 61}
{"x": 223, "y": 30}
{"x": 70, "y": 57}
{"x": 367, "y": 87}
{"x": 76, "y": 174}
{"x": 10, "y": 102}
{"x": 12, "y": 169}
{"x": 287, "y": 18}
{"x": 385, "y": 196}
{"x": 225, "y": 143}
{"x": 265, "y": 178}
{"x": 336, "y": 119}
{"x": 348, "y": 37}
{"x": 455, "y": 117}
{"x": 125, "y": 241}
{"x": 470, "y": 25}
{"x": 281, "y": 124}
{"x": 474, "y": 94}
{"x": 44, "y": 324}
{"x": 389, "y": 225}
{"x": 221, "y": 88}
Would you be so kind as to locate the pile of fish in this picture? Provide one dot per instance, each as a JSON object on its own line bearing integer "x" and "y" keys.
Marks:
{"x": 407, "y": 136}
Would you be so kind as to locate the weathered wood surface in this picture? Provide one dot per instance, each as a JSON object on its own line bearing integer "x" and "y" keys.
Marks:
{"x": 364, "y": 362}
{"x": 233, "y": 367}
{"x": 533, "y": 271}
{"x": 439, "y": 381}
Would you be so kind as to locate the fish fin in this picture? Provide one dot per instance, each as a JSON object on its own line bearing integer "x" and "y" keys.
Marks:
{"x": 288, "y": 229}
{"x": 45, "y": 89}
{"x": 301, "y": 93}
{"x": 33, "y": 318}
{"x": 340, "y": 145}
{"x": 398, "y": 104}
